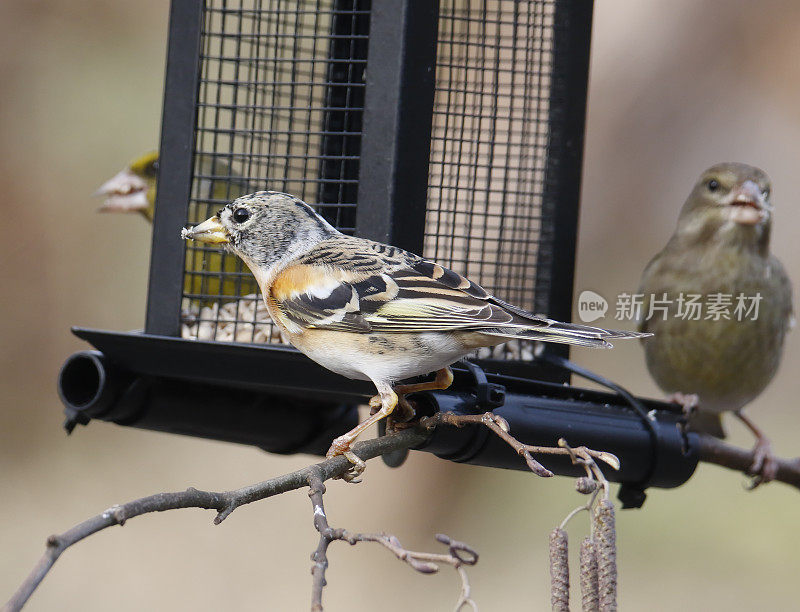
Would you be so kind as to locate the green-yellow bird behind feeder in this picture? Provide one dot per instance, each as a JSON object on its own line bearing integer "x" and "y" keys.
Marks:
{"x": 133, "y": 190}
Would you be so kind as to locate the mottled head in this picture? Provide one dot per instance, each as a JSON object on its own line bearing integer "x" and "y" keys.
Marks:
{"x": 729, "y": 201}
{"x": 264, "y": 228}
{"x": 132, "y": 189}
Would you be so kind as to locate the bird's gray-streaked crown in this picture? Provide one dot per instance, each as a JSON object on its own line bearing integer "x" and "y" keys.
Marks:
{"x": 267, "y": 226}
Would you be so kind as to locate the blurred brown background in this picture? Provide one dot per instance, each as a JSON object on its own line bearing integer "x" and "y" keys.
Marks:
{"x": 675, "y": 87}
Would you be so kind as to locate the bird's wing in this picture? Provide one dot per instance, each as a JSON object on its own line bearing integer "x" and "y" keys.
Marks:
{"x": 429, "y": 297}
{"x": 783, "y": 292}
{"x": 407, "y": 295}
{"x": 652, "y": 283}
{"x": 401, "y": 300}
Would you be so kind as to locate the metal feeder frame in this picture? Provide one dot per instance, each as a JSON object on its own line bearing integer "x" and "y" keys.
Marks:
{"x": 274, "y": 397}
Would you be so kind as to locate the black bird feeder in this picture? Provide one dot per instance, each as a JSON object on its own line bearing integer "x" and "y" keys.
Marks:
{"x": 451, "y": 128}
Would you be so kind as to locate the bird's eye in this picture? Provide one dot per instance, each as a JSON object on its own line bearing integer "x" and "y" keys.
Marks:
{"x": 240, "y": 215}
{"x": 713, "y": 185}
{"x": 766, "y": 193}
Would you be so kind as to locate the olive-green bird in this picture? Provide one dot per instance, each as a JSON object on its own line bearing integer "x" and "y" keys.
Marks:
{"x": 722, "y": 354}
{"x": 133, "y": 190}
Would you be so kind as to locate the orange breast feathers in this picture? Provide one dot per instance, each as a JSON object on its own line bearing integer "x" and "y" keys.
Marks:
{"x": 298, "y": 279}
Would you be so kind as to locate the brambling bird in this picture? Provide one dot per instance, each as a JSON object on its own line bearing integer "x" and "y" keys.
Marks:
{"x": 720, "y": 248}
{"x": 133, "y": 190}
{"x": 366, "y": 310}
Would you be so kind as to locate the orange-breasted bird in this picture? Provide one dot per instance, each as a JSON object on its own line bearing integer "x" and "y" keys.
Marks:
{"x": 366, "y": 310}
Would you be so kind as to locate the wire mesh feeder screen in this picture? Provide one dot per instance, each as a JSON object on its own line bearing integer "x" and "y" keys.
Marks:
{"x": 489, "y": 147}
{"x": 279, "y": 107}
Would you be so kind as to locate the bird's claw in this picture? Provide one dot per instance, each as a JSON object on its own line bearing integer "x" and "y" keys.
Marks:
{"x": 765, "y": 464}
{"x": 375, "y": 404}
{"x": 688, "y": 402}
{"x": 353, "y": 474}
{"x": 404, "y": 411}
{"x": 341, "y": 446}
{"x": 402, "y": 414}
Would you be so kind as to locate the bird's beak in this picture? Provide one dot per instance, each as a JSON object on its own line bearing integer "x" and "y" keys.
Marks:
{"x": 125, "y": 192}
{"x": 210, "y": 231}
{"x": 750, "y": 206}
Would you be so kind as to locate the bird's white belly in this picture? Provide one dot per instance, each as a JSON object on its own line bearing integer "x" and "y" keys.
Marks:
{"x": 385, "y": 357}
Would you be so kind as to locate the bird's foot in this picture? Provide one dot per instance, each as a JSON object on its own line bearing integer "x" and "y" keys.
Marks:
{"x": 353, "y": 475}
{"x": 387, "y": 400}
{"x": 406, "y": 410}
{"x": 341, "y": 446}
{"x": 375, "y": 404}
{"x": 765, "y": 464}
{"x": 688, "y": 402}
{"x": 402, "y": 414}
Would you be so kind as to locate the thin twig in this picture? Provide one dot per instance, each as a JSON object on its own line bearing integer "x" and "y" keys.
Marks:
{"x": 583, "y": 456}
{"x": 459, "y": 554}
{"x": 587, "y": 507}
{"x": 500, "y": 427}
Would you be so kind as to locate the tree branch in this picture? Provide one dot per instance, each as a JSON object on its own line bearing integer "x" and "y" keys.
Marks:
{"x": 710, "y": 450}
{"x": 713, "y": 450}
{"x": 459, "y": 554}
{"x": 223, "y": 502}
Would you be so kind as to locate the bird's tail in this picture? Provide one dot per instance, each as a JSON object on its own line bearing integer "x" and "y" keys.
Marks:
{"x": 566, "y": 333}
